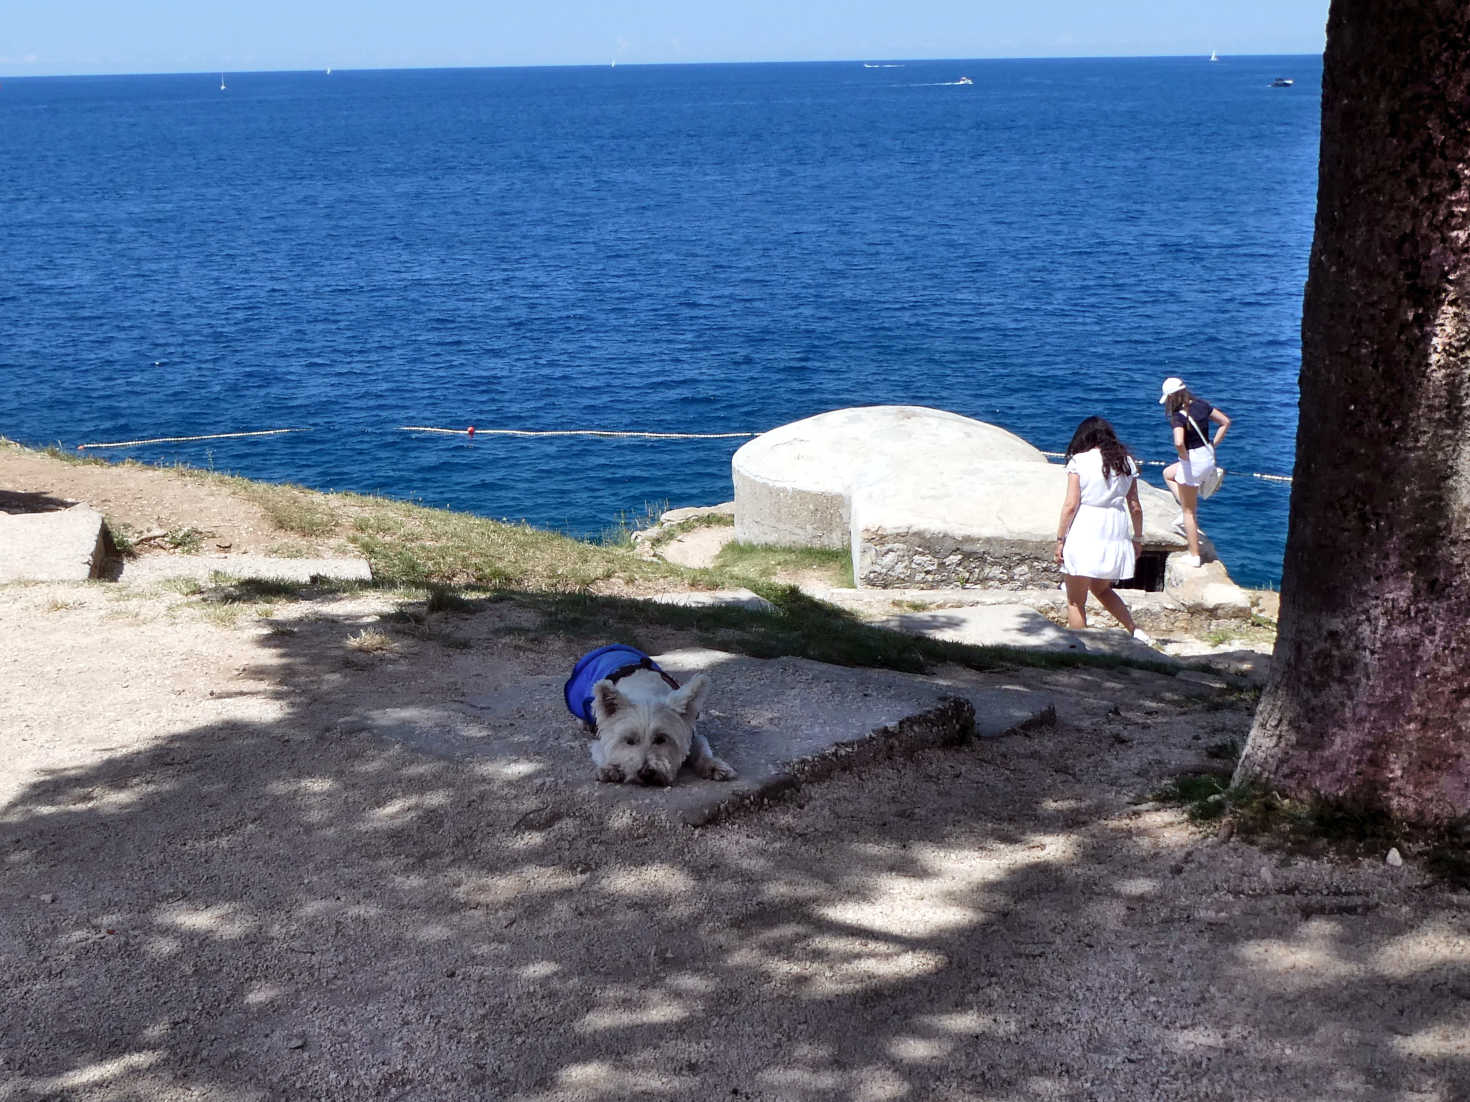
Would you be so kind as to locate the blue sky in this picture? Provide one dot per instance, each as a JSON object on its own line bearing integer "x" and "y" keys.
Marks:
{"x": 49, "y": 37}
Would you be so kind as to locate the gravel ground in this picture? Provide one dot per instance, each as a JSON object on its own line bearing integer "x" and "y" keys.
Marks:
{"x": 210, "y": 890}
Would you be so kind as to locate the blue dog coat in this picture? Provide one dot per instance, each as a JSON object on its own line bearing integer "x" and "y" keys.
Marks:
{"x": 610, "y": 662}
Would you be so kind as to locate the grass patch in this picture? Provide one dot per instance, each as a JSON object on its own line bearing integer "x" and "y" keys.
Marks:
{"x": 294, "y": 509}
{"x": 620, "y": 533}
{"x": 189, "y": 587}
{"x": 441, "y": 599}
{"x": 122, "y": 537}
{"x": 187, "y": 541}
{"x": 1204, "y": 796}
{"x": 412, "y": 546}
{"x": 759, "y": 561}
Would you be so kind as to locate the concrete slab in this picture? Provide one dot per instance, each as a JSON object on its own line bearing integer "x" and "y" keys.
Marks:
{"x": 58, "y": 545}
{"x": 988, "y": 626}
{"x": 780, "y": 722}
{"x": 715, "y": 598}
{"x": 697, "y": 548}
{"x": 154, "y": 568}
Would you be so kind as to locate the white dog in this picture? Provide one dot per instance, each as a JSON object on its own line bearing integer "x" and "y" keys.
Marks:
{"x": 642, "y": 719}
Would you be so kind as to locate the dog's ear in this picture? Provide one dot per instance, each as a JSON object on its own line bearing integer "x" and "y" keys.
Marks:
{"x": 689, "y": 700}
{"x": 606, "y": 701}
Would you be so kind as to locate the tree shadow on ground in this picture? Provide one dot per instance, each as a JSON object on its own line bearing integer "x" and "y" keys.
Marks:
{"x": 278, "y": 908}
{"x": 16, "y": 502}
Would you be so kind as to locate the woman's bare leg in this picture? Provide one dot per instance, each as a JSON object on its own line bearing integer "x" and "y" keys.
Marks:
{"x": 1108, "y": 597}
{"x": 1189, "y": 502}
{"x": 1171, "y": 479}
{"x": 1076, "y": 600}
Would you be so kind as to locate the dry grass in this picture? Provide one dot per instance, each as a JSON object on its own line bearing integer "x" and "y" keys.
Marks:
{"x": 371, "y": 641}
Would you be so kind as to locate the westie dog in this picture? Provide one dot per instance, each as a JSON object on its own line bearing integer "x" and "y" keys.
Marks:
{"x": 642, "y": 719}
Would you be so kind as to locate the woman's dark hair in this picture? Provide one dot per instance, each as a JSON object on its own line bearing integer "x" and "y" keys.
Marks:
{"x": 1177, "y": 401}
{"x": 1095, "y": 432}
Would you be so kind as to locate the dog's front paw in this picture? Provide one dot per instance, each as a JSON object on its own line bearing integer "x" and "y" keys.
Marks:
{"x": 713, "y": 769}
{"x": 613, "y": 774}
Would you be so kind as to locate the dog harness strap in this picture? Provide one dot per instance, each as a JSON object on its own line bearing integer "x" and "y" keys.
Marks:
{"x": 634, "y": 667}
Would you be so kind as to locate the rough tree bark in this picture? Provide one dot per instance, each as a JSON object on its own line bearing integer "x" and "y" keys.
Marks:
{"x": 1369, "y": 696}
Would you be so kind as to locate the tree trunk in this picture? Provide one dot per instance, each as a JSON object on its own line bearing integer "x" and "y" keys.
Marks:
{"x": 1369, "y": 696}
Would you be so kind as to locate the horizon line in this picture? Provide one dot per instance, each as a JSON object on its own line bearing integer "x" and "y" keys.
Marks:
{"x": 866, "y": 59}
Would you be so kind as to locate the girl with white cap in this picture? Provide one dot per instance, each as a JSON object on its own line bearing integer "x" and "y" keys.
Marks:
{"x": 1189, "y": 417}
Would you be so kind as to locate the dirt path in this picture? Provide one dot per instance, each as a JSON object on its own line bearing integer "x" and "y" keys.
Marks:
{"x": 210, "y": 889}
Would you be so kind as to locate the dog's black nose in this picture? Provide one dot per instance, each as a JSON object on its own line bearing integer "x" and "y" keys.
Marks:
{"x": 648, "y": 775}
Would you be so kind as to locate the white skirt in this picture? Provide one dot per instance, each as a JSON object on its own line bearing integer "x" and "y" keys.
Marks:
{"x": 1197, "y": 467}
{"x": 1099, "y": 543}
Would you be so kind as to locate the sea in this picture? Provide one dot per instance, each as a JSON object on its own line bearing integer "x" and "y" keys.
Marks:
{"x": 679, "y": 249}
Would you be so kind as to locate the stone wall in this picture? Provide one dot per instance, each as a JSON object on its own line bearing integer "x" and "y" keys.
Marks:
{"x": 896, "y": 563}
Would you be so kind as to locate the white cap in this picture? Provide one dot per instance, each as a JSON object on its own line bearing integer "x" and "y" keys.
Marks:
{"x": 1171, "y": 385}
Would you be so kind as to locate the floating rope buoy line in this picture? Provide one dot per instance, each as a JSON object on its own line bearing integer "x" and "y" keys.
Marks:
{"x": 186, "y": 439}
{"x": 1160, "y": 463}
{"x": 471, "y": 431}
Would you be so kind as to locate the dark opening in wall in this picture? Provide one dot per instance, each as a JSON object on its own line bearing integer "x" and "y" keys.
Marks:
{"x": 1148, "y": 572}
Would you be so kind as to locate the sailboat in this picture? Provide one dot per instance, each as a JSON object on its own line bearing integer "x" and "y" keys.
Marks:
{"x": 1214, "y": 56}
{"x": 222, "y": 82}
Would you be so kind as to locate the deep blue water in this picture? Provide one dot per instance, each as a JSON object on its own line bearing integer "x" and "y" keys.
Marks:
{"x": 715, "y": 248}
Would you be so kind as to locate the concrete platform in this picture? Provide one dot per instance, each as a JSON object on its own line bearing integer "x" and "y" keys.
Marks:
{"x": 55, "y": 545}
{"x": 715, "y": 598}
{"x": 988, "y": 626}
{"x": 780, "y": 722}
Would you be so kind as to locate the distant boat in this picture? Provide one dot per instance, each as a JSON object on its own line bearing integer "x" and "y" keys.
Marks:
{"x": 222, "y": 82}
{"x": 1214, "y": 56}
{"x": 964, "y": 80}
{"x": 329, "y": 70}
{"x": 1282, "y": 82}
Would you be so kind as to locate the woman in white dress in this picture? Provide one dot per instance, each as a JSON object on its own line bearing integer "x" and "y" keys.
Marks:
{"x": 1100, "y": 531}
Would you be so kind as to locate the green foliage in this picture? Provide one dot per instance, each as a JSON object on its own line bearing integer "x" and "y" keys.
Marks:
{"x": 761, "y": 561}
{"x": 1205, "y": 796}
{"x": 123, "y": 536}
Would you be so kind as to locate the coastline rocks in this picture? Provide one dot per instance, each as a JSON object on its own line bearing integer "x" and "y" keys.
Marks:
{"x": 1205, "y": 589}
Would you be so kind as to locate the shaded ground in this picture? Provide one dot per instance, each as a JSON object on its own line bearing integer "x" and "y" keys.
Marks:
{"x": 210, "y": 887}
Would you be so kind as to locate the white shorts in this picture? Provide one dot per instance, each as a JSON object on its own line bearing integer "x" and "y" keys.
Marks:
{"x": 1195, "y": 469}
